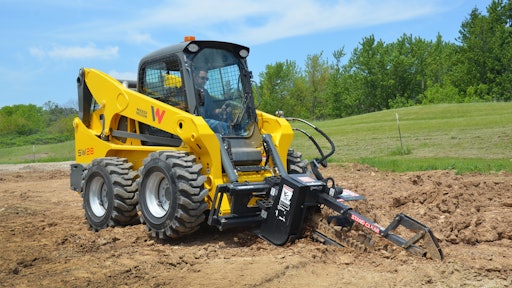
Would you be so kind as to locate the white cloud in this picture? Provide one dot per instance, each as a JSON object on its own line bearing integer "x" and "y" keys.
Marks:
{"x": 138, "y": 38}
{"x": 76, "y": 52}
{"x": 255, "y": 22}
{"x": 241, "y": 21}
{"x": 37, "y": 52}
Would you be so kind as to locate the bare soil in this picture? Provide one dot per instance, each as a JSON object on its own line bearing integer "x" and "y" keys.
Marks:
{"x": 46, "y": 241}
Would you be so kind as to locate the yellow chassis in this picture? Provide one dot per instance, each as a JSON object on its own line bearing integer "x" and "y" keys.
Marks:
{"x": 114, "y": 101}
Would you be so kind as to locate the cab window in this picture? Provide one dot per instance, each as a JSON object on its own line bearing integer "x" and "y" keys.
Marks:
{"x": 162, "y": 80}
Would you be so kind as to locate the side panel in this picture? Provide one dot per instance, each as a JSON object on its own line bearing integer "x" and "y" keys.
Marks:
{"x": 281, "y": 131}
{"x": 114, "y": 99}
{"x": 89, "y": 146}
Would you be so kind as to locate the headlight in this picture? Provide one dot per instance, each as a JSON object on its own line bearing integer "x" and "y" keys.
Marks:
{"x": 243, "y": 53}
{"x": 193, "y": 48}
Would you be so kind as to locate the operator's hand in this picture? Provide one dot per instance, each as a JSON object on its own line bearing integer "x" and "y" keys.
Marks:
{"x": 224, "y": 112}
{"x": 226, "y": 108}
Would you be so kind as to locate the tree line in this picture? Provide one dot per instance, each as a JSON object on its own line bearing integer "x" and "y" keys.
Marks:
{"x": 30, "y": 124}
{"x": 409, "y": 71}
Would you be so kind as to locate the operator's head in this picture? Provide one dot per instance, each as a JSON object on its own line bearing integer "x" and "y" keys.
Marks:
{"x": 201, "y": 78}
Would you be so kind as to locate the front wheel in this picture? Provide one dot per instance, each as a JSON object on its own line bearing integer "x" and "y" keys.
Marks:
{"x": 171, "y": 194}
{"x": 109, "y": 193}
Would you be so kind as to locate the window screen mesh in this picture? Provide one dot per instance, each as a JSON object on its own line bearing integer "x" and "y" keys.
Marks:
{"x": 163, "y": 81}
{"x": 223, "y": 83}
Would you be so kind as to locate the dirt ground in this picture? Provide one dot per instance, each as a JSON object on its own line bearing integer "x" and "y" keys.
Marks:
{"x": 46, "y": 241}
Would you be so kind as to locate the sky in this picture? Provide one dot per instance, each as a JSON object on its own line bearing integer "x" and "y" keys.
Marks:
{"x": 45, "y": 43}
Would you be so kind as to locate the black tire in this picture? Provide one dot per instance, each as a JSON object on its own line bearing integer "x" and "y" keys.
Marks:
{"x": 109, "y": 193}
{"x": 171, "y": 194}
{"x": 295, "y": 164}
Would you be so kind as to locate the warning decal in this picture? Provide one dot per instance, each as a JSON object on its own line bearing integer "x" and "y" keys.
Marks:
{"x": 286, "y": 198}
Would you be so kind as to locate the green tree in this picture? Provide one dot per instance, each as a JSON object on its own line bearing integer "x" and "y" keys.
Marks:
{"x": 30, "y": 124}
{"x": 405, "y": 71}
{"x": 299, "y": 99}
{"x": 317, "y": 73}
{"x": 441, "y": 60}
{"x": 485, "y": 71}
{"x": 335, "y": 88}
{"x": 21, "y": 119}
{"x": 367, "y": 69}
{"x": 54, "y": 112}
{"x": 276, "y": 85}
{"x": 59, "y": 119}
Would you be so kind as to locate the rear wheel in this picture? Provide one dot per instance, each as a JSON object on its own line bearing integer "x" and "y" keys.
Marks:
{"x": 171, "y": 194}
{"x": 295, "y": 164}
{"x": 109, "y": 193}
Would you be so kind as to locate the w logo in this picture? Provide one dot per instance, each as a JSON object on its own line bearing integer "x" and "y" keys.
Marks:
{"x": 157, "y": 114}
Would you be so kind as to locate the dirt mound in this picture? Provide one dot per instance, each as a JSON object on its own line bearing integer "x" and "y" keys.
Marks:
{"x": 46, "y": 241}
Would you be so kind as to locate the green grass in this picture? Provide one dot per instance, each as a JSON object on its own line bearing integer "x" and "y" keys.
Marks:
{"x": 461, "y": 137}
{"x": 38, "y": 153}
{"x": 460, "y": 165}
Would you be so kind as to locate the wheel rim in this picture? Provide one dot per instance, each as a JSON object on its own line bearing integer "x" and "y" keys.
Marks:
{"x": 98, "y": 196}
{"x": 157, "y": 194}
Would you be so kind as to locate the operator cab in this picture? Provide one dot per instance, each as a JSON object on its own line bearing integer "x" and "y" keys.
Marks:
{"x": 205, "y": 78}
{"x": 208, "y": 79}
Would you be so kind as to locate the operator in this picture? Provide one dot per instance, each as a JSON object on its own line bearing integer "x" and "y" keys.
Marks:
{"x": 206, "y": 106}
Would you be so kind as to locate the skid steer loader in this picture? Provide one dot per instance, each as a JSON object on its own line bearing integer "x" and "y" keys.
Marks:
{"x": 185, "y": 145}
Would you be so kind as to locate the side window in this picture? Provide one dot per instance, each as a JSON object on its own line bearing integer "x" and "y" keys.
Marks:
{"x": 162, "y": 80}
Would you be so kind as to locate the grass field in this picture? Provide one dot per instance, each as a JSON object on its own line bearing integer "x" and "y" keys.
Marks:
{"x": 461, "y": 137}
{"x": 38, "y": 153}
